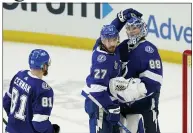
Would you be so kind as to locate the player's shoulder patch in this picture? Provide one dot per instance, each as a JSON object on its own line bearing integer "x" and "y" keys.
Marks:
{"x": 149, "y": 49}
{"x": 101, "y": 58}
{"x": 45, "y": 86}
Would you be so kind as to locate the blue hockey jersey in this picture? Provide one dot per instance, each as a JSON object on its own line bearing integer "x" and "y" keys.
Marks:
{"x": 143, "y": 62}
{"x": 104, "y": 67}
{"x": 28, "y": 104}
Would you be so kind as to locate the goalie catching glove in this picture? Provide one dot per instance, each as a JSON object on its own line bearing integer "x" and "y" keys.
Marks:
{"x": 127, "y": 90}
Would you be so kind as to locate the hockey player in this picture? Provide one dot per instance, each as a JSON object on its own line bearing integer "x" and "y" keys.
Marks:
{"x": 142, "y": 60}
{"x": 105, "y": 65}
{"x": 29, "y": 100}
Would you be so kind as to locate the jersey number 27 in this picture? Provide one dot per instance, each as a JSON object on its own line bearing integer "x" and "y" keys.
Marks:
{"x": 100, "y": 73}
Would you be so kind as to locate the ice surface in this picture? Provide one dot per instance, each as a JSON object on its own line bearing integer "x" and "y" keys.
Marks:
{"x": 67, "y": 75}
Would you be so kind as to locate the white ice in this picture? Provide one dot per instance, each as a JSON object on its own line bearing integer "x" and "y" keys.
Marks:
{"x": 67, "y": 75}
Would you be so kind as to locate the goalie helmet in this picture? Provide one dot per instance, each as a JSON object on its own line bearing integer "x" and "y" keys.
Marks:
{"x": 132, "y": 24}
{"x": 38, "y": 58}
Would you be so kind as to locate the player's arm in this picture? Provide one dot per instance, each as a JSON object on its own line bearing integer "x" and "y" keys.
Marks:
{"x": 42, "y": 108}
{"x": 123, "y": 16}
{"x": 151, "y": 64}
{"x": 120, "y": 21}
{"x": 7, "y": 97}
{"x": 123, "y": 52}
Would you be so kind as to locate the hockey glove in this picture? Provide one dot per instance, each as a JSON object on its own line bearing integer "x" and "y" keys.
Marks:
{"x": 127, "y": 90}
{"x": 125, "y": 15}
{"x": 114, "y": 114}
{"x": 56, "y": 128}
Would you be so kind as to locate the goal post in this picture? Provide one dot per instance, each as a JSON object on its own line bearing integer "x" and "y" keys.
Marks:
{"x": 186, "y": 89}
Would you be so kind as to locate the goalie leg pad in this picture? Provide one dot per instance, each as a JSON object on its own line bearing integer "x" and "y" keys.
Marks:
{"x": 135, "y": 123}
{"x": 151, "y": 121}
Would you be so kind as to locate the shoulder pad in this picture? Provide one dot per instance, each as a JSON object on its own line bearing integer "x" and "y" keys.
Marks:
{"x": 22, "y": 71}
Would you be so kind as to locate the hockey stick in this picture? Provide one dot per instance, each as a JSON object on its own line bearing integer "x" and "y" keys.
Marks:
{"x": 4, "y": 121}
{"x": 101, "y": 107}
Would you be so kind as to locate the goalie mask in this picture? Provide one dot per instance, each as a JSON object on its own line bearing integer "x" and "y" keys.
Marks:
{"x": 136, "y": 29}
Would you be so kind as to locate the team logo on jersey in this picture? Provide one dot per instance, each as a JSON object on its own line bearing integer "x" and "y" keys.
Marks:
{"x": 149, "y": 49}
{"x": 45, "y": 85}
{"x": 101, "y": 58}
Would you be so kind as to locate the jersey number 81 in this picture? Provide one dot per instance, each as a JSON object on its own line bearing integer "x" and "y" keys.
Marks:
{"x": 20, "y": 114}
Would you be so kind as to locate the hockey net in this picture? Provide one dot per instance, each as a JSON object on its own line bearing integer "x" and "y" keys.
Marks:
{"x": 186, "y": 91}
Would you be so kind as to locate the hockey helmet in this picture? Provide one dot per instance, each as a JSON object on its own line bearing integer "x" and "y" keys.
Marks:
{"x": 39, "y": 57}
{"x": 136, "y": 22}
{"x": 109, "y": 31}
